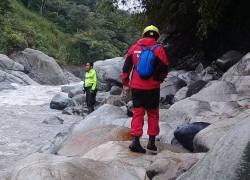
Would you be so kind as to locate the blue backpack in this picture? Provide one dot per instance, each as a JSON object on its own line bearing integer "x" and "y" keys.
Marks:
{"x": 145, "y": 65}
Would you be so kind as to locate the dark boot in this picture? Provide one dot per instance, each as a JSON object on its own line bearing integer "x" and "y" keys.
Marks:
{"x": 151, "y": 144}
{"x": 135, "y": 146}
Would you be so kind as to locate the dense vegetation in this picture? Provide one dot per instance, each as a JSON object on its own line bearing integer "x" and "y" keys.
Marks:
{"x": 72, "y": 31}
{"x": 212, "y": 26}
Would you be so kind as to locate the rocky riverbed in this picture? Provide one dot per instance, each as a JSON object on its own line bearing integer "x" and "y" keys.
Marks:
{"x": 27, "y": 123}
{"x": 46, "y": 134}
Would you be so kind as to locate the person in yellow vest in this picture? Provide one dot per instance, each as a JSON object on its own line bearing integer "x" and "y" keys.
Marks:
{"x": 90, "y": 86}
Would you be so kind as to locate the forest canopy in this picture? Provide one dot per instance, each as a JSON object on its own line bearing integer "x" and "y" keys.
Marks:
{"x": 72, "y": 31}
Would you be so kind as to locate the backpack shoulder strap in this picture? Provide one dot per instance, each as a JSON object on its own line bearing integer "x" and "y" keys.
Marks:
{"x": 153, "y": 47}
{"x": 144, "y": 48}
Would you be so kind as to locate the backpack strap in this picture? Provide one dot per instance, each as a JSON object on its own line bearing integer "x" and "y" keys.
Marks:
{"x": 153, "y": 47}
{"x": 144, "y": 48}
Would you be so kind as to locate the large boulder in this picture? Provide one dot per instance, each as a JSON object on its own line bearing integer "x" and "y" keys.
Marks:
{"x": 218, "y": 91}
{"x": 182, "y": 112}
{"x": 10, "y": 78}
{"x": 207, "y": 138}
{"x": 12, "y": 72}
{"x": 228, "y": 59}
{"x": 80, "y": 143}
{"x": 60, "y": 101}
{"x": 239, "y": 75}
{"x": 51, "y": 167}
{"x": 8, "y": 64}
{"x": 77, "y": 70}
{"x": 158, "y": 166}
{"x": 40, "y": 67}
{"x": 104, "y": 115}
{"x": 23, "y": 77}
{"x": 229, "y": 157}
{"x": 108, "y": 72}
{"x": 71, "y": 77}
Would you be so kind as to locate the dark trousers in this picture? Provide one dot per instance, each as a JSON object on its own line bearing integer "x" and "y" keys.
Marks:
{"x": 90, "y": 99}
{"x": 148, "y": 99}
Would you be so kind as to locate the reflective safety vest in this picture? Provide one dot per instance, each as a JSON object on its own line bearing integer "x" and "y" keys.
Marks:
{"x": 90, "y": 79}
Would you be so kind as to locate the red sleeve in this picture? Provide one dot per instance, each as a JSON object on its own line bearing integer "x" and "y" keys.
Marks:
{"x": 127, "y": 67}
{"x": 162, "y": 55}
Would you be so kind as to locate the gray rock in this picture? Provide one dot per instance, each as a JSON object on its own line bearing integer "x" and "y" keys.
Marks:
{"x": 115, "y": 90}
{"x": 183, "y": 112}
{"x": 242, "y": 68}
{"x": 216, "y": 91}
{"x": 55, "y": 120}
{"x": 8, "y": 64}
{"x": 169, "y": 165}
{"x": 101, "y": 97}
{"x": 22, "y": 76}
{"x": 190, "y": 77}
{"x": 229, "y": 157}
{"x": 40, "y": 67}
{"x": 115, "y": 100}
{"x": 51, "y": 167}
{"x": 71, "y": 78}
{"x": 108, "y": 72}
{"x": 181, "y": 94}
{"x": 228, "y": 59}
{"x": 79, "y": 99}
{"x": 76, "y": 110}
{"x": 80, "y": 143}
{"x": 77, "y": 70}
{"x": 104, "y": 115}
{"x": 114, "y": 151}
{"x": 9, "y": 78}
{"x": 170, "y": 86}
{"x": 56, "y": 143}
{"x": 176, "y": 73}
{"x": 239, "y": 75}
{"x": 60, "y": 101}
{"x": 68, "y": 110}
{"x": 67, "y": 88}
{"x": 195, "y": 87}
{"x": 75, "y": 91}
{"x": 207, "y": 138}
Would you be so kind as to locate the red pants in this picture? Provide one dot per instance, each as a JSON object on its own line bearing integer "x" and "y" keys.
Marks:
{"x": 138, "y": 118}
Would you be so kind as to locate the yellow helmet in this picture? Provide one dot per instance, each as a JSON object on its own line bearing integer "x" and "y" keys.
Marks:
{"x": 151, "y": 28}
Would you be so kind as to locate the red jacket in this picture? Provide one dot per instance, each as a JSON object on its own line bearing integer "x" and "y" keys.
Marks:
{"x": 129, "y": 75}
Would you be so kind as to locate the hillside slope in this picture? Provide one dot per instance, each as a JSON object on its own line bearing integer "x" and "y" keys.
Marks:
{"x": 23, "y": 28}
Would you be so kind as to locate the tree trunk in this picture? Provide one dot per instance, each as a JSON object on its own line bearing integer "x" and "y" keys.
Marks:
{"x": 43, "y": 5}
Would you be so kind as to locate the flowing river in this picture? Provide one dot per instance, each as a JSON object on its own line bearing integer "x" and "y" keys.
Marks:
{"x": 22, "y": 130}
